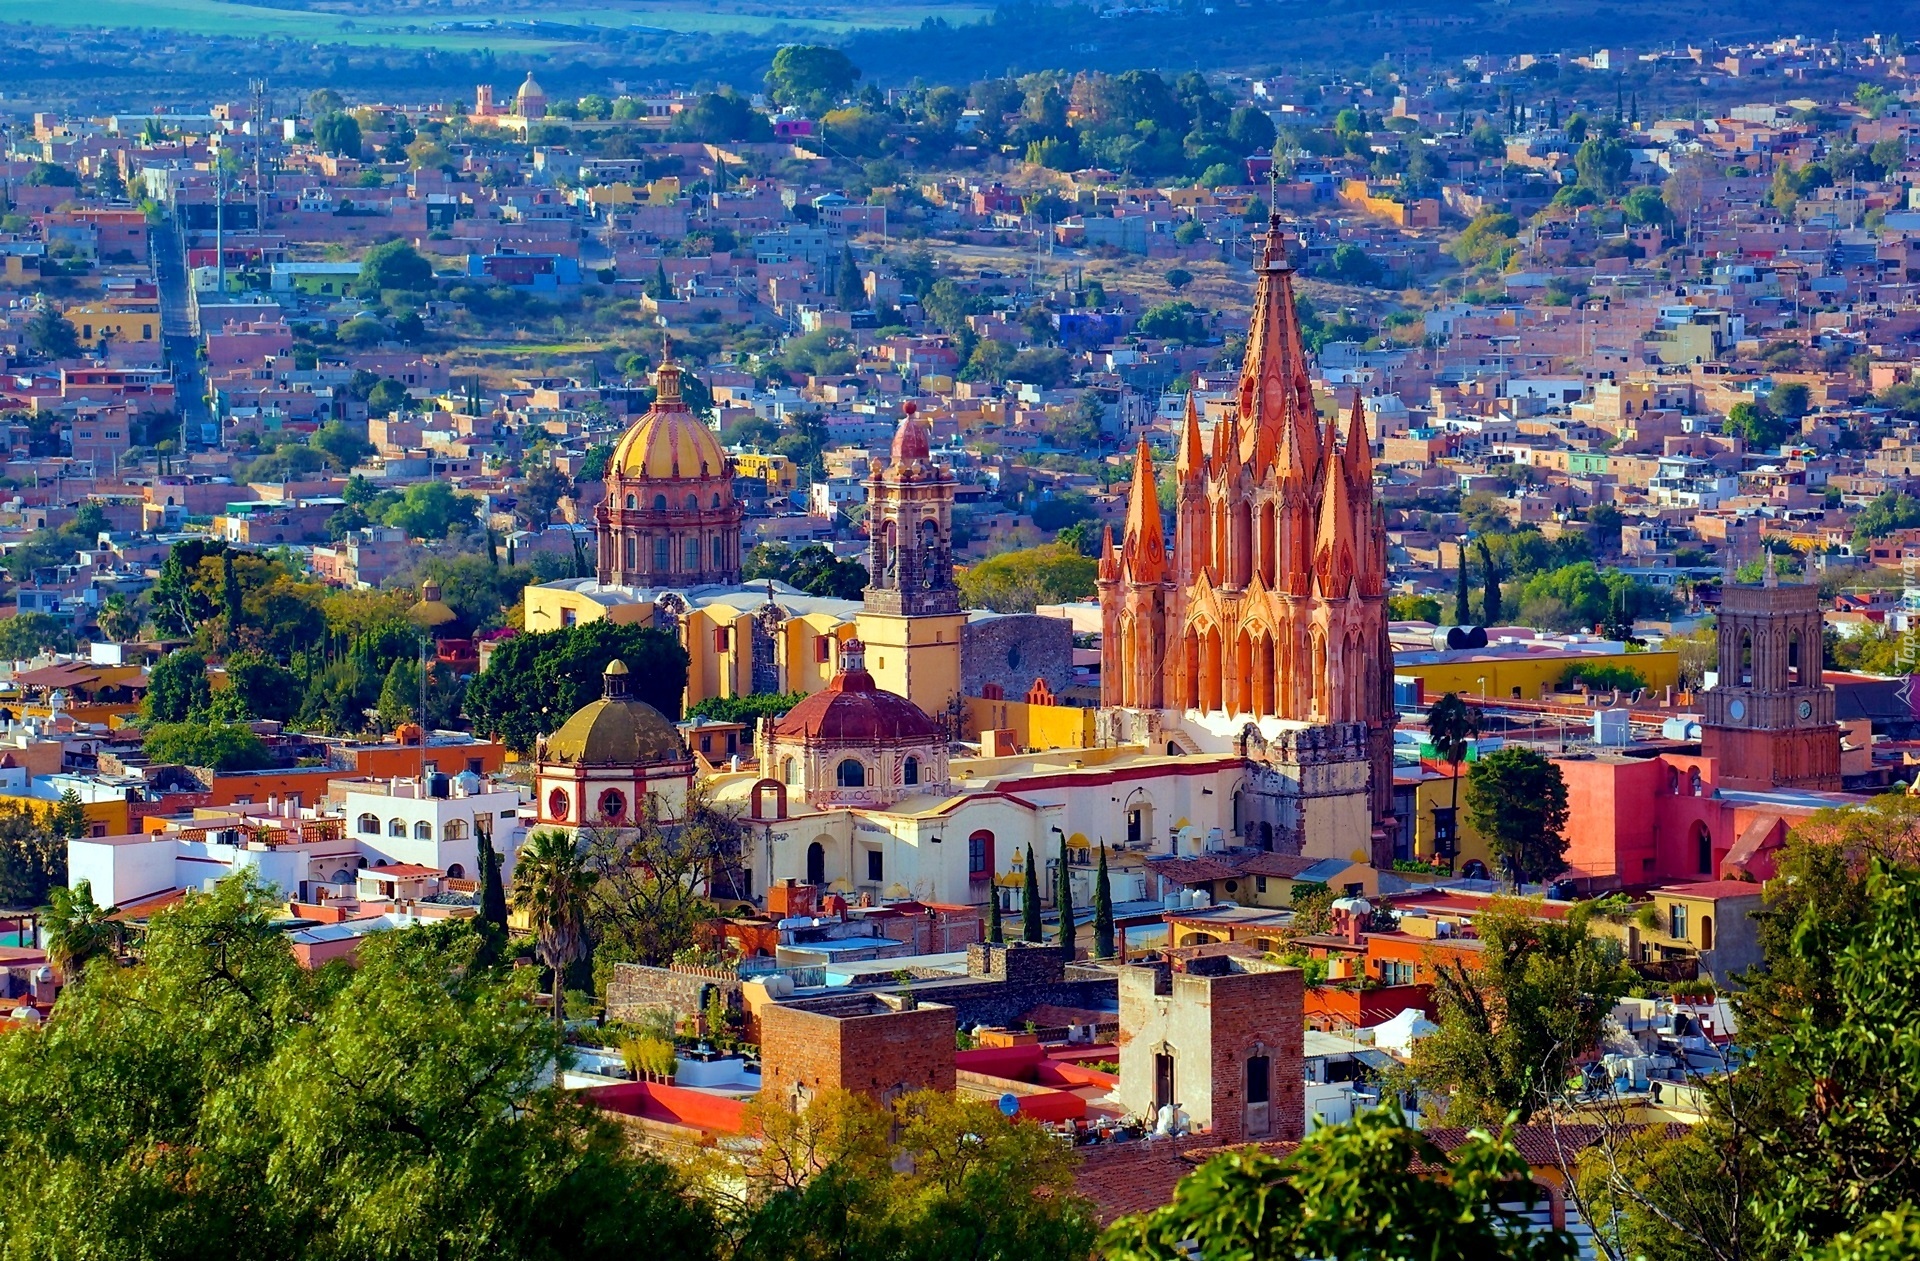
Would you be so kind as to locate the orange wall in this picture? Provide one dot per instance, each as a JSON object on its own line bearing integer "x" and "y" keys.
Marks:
{"x": 387, "y": 760}
{"x": 309, "y": 782}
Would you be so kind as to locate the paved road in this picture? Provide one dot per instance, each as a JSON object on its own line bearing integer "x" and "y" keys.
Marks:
{"x": 177, "y": 336}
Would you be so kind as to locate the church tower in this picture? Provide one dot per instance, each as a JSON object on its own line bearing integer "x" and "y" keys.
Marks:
{"x": 1770, "y": 716}
{"x": 911, "y": 620}
{"x": 1272, "y": 604}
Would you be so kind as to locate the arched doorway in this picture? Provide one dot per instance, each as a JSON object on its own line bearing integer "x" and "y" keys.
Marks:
{"x": 1706, "y": 932}
{"x": 1703, "y": 848}
{"x": 816, "y": 864}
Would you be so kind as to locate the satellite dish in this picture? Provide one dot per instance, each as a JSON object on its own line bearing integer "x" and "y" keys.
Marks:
{"x": 1009, "y": 1104}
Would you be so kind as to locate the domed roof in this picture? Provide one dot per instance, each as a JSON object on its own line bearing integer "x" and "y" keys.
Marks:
{"x": 616, "y": 730}
{"x": 530, "y": 89}
{"x": 669, "y": 442}
{"x": 853, "y": 710}
{"x": 912, "y": 440}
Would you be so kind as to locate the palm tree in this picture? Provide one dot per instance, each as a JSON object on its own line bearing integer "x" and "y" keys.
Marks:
{"x": 550, "y": 885}
{"x": 78, "y": 930}
{"x": 1451, "y": 726}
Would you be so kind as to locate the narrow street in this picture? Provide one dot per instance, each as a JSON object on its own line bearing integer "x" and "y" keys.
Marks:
{"x": 179, "y": 339}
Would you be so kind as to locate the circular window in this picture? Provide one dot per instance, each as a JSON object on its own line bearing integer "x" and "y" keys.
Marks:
{"x": 558, "y": 803}
{"x": 1233, "y": 886}
{"x": 613, "y": 804}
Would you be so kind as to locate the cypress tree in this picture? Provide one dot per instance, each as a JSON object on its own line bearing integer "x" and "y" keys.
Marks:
{"x": 1102, "y": 911}
{"x": 1063, "y": 902}
{"x": 1491, "y": 615}
{"x": 1030, "y": 903}
{"x": 230, "y": 590}
{"x": 1462, "y": 611}
{"x": 995, "y": 934}
{"x": 491, "y": 923}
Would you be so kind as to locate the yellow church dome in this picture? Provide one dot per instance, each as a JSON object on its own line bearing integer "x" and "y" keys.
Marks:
{"x": 616, "y": 730}
{"x": 669, "y": 442}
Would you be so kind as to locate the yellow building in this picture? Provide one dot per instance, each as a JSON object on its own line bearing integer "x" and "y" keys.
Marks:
{"x": 1437, "y": 791}
{"x": 1527, "y": 672}
{"x": 777, "y": 471}
{"x": 92, "y": 323}
{"x": 1036, "y": 727}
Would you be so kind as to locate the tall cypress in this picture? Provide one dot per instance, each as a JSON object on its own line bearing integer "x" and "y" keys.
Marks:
{"x": 230, "y": 591}
{"x": 995, "y": 934}
{"x": 1063, "y": 902}
{"x": 1102, "y": 911}
{"x": 1462, "y": 610}
{"x": 1030, "y": 903}
{"x": 1491, "y": 615}
{"x": 491, "y": 923}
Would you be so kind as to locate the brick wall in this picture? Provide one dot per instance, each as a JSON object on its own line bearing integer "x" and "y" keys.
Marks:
{"x": 862, "y": 1042}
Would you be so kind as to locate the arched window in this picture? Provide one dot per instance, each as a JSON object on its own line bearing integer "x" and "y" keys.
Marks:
{"x": 716, "y": 499}
{"x": 370, "y": 825}
{"x": 456, "y": 872}
{"x": 660, "y": 556}
{"x": 790, "y": 771}
{"x": 816, "y": 864}
{"x": 558, "y": 804}
{"x": 1793, "y": 658}
{"x": 396, "y": 827}
{"x": 852, "y": 774}
{"x": 455, "y": 830}
{"x": 659, "y": 503}
{"x": 423, "y": 831}
{"x": 1746, "y": 658}
{"x": 1706, "y": 932}
{"x": 693, "y": 554}
{"x": 1703, "y": 843}
{"x": 613, "y": 805}
{"x": 693, "y": 503}
{"x": 1693, "y": 782}
{"x": 631, "y": 501}
{"x": 910, "y": 771}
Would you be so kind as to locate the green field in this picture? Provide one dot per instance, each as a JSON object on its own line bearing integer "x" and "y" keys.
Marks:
{"x": 218, "y": 17}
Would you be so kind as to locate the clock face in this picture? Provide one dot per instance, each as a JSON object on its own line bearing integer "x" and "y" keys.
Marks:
{"x": 1806, "y": 709}
{"x": 1736, "y": 709}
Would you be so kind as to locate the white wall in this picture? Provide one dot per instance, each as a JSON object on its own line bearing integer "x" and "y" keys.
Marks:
{"x": 120, "y": 873}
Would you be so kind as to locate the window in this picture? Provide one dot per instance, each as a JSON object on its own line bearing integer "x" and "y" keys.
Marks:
{"x": 693, "y": 554}
{"x": 790, "y": 771}
{"x": 423, "y": 831}
{"x": 613, "y": 804}
{"x": 910, "y": 771}
{"x": 821, "y": 655}
{"x": 1677, "y": 921}
{"x": 396, "y": 827}
{"x": 873, "y": 865}
{"x": 455, "y": 830}
{"x": 693, "y": 503}
{"x": 719, "y": 552}
{"x": 716, "y": 499}
{"x": 558, "y": 803}
{"x": 1393, "y": 972}
{"x": 659, "y": 503}
{"x": 1259, "y": 1078}
{"x": 979, "y": 858}
{"x": 660, "y": 556}
{"x": 852, "y": 774}
{"x": 631, "y": 561}
{"x": 370, "y": 825}
{"x": 1259, "y": 884}
{"x": 456, "y": 872}
{"x": 630, "y": 499}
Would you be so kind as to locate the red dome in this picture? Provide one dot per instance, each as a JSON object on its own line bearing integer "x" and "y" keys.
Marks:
{"x": 911, "y": 441}
{"x": 852, "y": 710}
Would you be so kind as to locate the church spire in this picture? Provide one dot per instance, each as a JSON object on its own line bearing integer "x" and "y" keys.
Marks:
{"x": 1358, "y": 455}
{"x": 1145, "y": 555}
{"x": 1276, "y": 409}
{"x": 1191, "y": 463}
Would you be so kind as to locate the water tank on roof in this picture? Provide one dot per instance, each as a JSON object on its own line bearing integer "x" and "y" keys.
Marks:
{"x": 466, "y": 784}
{"x": 1611, "y": 729}
{"x": 1459, "y": 638}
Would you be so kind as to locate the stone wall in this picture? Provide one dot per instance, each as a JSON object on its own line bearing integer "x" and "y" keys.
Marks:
{"x": 876, "y": 1044}
{"x": 637, "y": 989}
{"x": 1014, "y": 650}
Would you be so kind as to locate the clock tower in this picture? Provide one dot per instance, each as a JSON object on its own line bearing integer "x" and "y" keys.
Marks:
{"x": 1769, "y": 717}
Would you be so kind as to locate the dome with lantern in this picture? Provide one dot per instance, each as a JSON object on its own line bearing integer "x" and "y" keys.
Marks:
{"x": 616, "y": 761}
{"x": 669, "y": 519}
{"x": 853, "y": 743}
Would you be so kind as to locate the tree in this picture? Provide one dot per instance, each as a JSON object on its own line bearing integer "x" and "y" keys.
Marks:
{"x": 551, "y": 887}
{"x": 430, "y": 510}
{"x": 541, "y": 494}
{"x": 68, "y": 818}
{"x": 534, "y": 682}
{"x": 1030, "y": 902}
{"x": 1173, "y": 321}
{"x": 1018, "y": 581}
{"x": 812, "y": 76}
{"x": 1462, "y": 608}
{"x": 1103, "y": 939}
{"x": 26, "y": 635}
{"x": 1452, "y": 726}
{"x": 392, "y": 265}
{"x": 230, "y": 598}
{"x": 1490, "y": 607}
{"x": 1178, "y": 278}
{"x": 338, "y": 133}
{"x": 77, "y": 930}
{"x": 853, "y": 290}
{"x": 33, "y": 860}
{"x": 1514, "y": 1020}
{"x": 51, "y": 335}
{"x": 1063, "y": 903}
{"x": 491, "y": 922}
{"x": 1413, "y": 608}
{"x": 1373, "y": 1189}
{"x": 177, "y": 688}
{"x": 1604, "y": 165}
{"x": 219, "y": 746}
{"x": 1517, "y": 799}
{"x": 193, "y": 1106}
{"x": 119, "y": 620}
{"x": 653, "y": 881}
{"x": 996, "y": 934}
{"x": 1790, "y": 399}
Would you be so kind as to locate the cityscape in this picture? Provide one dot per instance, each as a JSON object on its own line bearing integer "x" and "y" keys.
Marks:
{"x": 1127, "y": 632}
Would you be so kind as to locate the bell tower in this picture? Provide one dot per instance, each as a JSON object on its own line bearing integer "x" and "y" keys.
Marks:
{"x": 911, "y": 620}
{"x": 1769, "y": 717}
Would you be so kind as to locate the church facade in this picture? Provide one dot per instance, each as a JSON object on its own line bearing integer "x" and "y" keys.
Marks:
{"x": 1265, "y": 622}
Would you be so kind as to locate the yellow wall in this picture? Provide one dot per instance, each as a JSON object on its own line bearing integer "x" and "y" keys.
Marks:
{"x": 113, "y": 815}
{"x": 128, "y": 326}
{"x": 714, "y": 669}
{"x": 1035, "y": 727}
{"x": 547, "y": 609}
{"x": 1437, "y": 791}
{"x": 1498, "y": 676}
{"x": 798, "y": 654}
{"x": 915, "y": 657}
{"x": 777, "y": 471}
